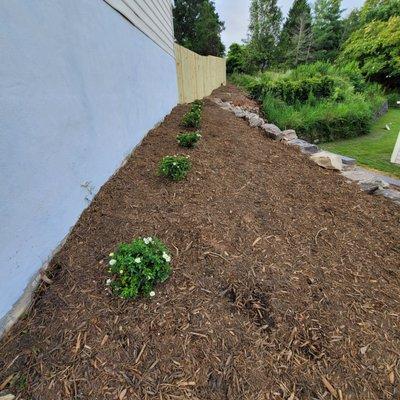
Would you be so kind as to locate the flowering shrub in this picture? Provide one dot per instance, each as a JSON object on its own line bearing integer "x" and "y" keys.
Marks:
{"x": 192, "y": 118}
{"x": 174, "y": 167}
{"x": 138, "y": 266}
{"x": 188, "y": 139}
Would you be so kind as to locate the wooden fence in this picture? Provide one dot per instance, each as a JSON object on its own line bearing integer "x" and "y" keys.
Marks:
{"x": 198, "y": 76}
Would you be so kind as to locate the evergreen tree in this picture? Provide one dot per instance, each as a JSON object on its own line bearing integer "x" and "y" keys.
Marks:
{"x": 300, "y": 45}
{"x": 350, "y": 24}
{"x": 327, "y": 29}
{"x": 264, "y": 29}
{"x": 295, "y": 39}
{"x": 198, "y": 27}
{"x": 208, "y": 29}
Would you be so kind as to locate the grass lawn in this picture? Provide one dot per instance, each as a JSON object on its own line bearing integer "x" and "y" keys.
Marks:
{"x": 375, "y": 149}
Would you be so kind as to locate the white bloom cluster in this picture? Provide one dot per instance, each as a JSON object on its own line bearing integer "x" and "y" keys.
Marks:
{"x": 113, "y": 262}
{"x": 108, "y": 282}
{"x": 137, "y": 260}
{"x": 148, "y": 240}
{"x": 152, "y": 294}
{"x": 166, "y": 257}
{"x": 111, "y": 255}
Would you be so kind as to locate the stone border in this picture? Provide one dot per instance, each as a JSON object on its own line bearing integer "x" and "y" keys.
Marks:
{"x": 369, "y": 182}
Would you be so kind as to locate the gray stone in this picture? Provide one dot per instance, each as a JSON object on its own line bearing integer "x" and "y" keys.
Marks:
{"x": 305, "y": 147}
{"x": 348, "y": 161}
{"x": 272, "y": 131}
{"x": 255, "y": 120}
{"x": 289, "y": 134}
{"x": 393, "y": 195}
{"x": 239, "y": 112}
{"x": 327, "y": 160}
{"x": 372, "y": 185}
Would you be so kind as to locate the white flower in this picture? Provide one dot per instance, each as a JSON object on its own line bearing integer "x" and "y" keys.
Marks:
{"x": 113, "y": 262}
{"x": 175, "y": 163}
{"x": 137, "y": 260}
{"x": 148, "y": 240}
{"x": 166, "y": 257}
{"x": 121, "y": 271}
{"x": 108, "y": 282}
{"x": 111, "y": 255}
{"x": 152, "y": 294}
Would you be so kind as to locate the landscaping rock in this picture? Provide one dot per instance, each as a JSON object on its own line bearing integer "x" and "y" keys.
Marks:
{"x": 239, "y": 112}
{"x": 305, "y": 147}
{"x": 393, "y": 195}
{"x": 372, "y": 185}
{"x": 348, "y": 161}
{"x": 289, "y": 134}
{"x": 272, "y": 131}
{"x": 255, "y": 120}
{"x": 7, "y": 397}
{"x": 328, "y": 160}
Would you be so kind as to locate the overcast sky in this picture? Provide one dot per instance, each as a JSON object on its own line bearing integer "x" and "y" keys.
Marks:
{"x": 235, "y": 13}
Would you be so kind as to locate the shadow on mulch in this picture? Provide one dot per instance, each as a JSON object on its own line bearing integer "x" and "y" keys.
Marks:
{"x": 285, "y": 284}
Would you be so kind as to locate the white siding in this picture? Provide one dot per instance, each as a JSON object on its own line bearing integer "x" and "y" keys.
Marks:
{"x": 152, "y": 17}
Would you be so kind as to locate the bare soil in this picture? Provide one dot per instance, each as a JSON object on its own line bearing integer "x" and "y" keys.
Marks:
{"x": 286, "y": 282}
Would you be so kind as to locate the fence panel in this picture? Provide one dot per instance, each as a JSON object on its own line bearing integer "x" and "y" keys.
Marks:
{"x": 198, "y": 76}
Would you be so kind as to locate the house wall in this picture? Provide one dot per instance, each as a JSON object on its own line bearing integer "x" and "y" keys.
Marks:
{"x": 152, "y": 17}
{"x": 79, "y": 88}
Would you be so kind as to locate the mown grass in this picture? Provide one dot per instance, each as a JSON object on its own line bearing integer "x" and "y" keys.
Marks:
{"x": 375, "y": 149}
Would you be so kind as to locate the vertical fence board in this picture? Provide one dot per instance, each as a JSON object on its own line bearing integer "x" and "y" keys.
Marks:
{"x": 197, "y": 75}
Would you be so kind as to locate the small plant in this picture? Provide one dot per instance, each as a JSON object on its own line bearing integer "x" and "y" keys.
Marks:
{"x": 188, "y": 139}
{"x": 192, "y": 118}
{"x": 138, "y": 266}
{"x": 197, "y": 104}
{"x": 174, "y": 167}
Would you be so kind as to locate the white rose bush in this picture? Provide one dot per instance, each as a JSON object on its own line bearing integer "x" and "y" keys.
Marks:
{"x": 137, "y": 267}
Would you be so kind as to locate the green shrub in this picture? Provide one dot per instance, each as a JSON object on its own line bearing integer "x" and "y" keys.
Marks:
{"x": 393, "y": 98}
{"x": 192, "y": 118}
{"x": 174, "y": 167}
{"x": 322, "y": 102}
{"x": 325, "y": 121}
{"x": 197, "y": 104}
{"x": 300, "y": 90}
{"x": 138, "y": 266}
{"x": 188, "y": 139}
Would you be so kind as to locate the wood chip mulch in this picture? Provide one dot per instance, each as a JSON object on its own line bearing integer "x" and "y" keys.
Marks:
{"x": 286, "y": 282}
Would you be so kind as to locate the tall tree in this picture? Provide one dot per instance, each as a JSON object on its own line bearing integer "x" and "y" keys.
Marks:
{"x": 327, "y": 29}
{"x": 264, "y": 30}
{"x": 295, "y": 38}
{"x": 208, "y": 29}
{"x": 379, "y": 10}
{"x": 350, "y": 24}
{"x": 198, "y": 27}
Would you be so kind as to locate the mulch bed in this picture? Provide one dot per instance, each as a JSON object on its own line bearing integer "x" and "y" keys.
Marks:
{"x": 286, "y": 282}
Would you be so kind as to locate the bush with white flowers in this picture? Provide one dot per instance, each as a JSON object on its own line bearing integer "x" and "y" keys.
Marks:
{"x": 138, "y": 266}
{"x": 174, "y": 167}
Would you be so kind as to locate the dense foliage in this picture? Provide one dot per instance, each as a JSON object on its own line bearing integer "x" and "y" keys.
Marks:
{"x": 174, "y": 168}
{"x": 320, "y": 101}
{"x": 138, "y": 266}
{"x": 376, "y": 49}
{"x": 198, "y": 27}
{"x": 369, "y": 37}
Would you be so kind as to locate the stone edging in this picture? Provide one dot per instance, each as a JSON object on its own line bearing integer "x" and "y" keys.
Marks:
{"x": 369, "y": 182}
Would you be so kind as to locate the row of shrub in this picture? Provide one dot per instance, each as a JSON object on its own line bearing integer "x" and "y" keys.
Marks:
{"x": 320, "y": 101}
{"x": 137, "y": 267}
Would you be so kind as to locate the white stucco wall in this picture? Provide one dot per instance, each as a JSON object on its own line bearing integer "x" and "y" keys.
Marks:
{"x": 79, "y": 88}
